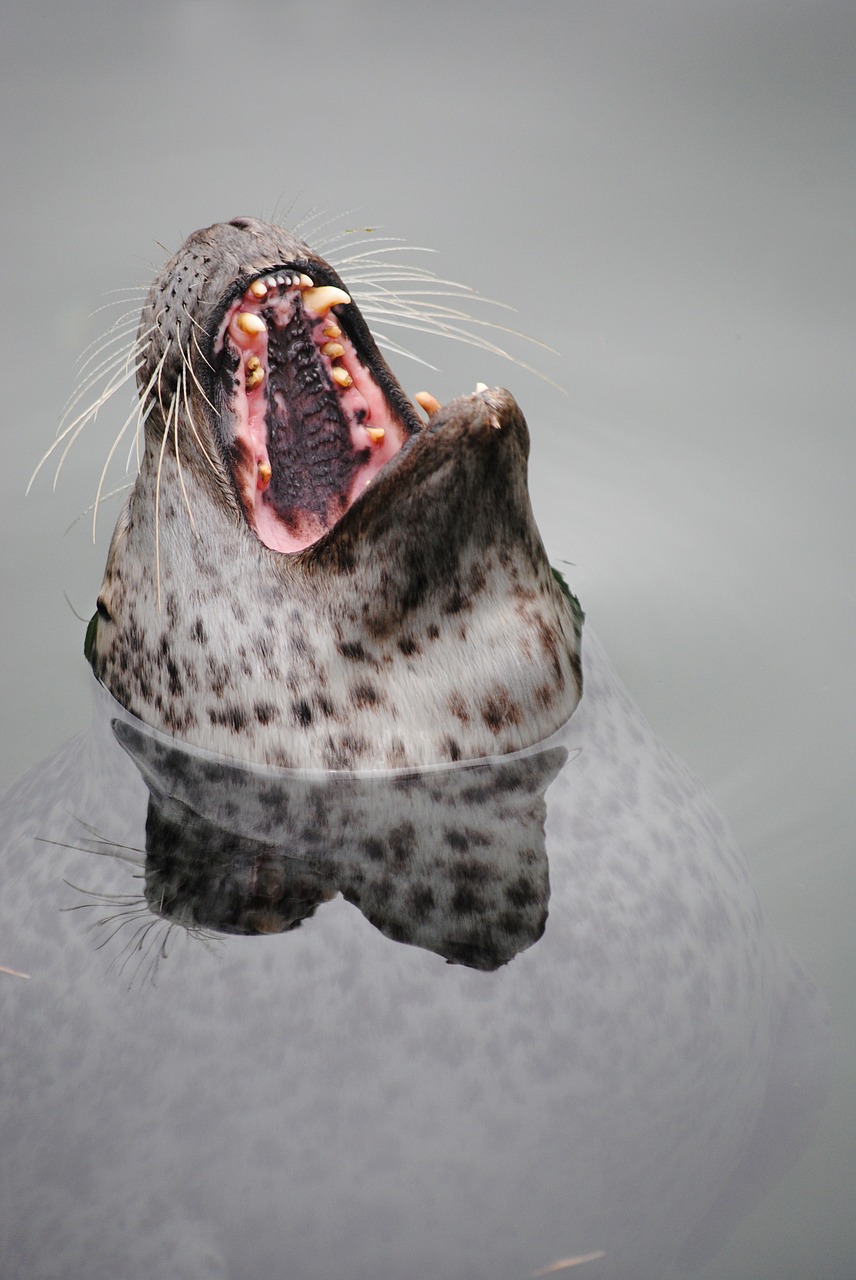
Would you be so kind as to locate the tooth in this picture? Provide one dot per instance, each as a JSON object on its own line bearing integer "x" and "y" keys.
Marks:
{"x": 333, "y": 350}
{"x": 264, "y": 475}
{"x": 258, "y": 289}
{"x": 255, "y": 373}
{"x": 332, "y": 330}
{"x": 481, "y": 386}
{"x": 427, "y": 402}
{"x": 341, "y": 376}
{"x": 375, "y": 434}
{"x": 250, "y": 323}
{"x": 322, "y": 298}
{"x": 306, "y": 282}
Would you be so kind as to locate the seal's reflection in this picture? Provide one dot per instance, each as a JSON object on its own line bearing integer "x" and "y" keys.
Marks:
{"x": 451, "y": 859}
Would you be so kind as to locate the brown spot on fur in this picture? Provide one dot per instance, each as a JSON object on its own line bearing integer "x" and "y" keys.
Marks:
{"x": 477, "y": 580}
{"x": 500, "y": 711}
{"x": 549, "y": 637}
{"x": 458, "y": 708}
{"x": 545, "y": 696}
{"x": 354, "y": 651}
{"x": 231, "y": 717}
{"x": 302, "y": 713}
{"x": 366, "y": 695}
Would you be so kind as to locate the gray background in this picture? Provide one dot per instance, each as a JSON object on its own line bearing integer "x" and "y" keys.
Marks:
{"x": 665, "y": 193}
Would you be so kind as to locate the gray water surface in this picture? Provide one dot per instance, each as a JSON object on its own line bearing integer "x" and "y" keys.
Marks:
{"x": 665, "y": 193}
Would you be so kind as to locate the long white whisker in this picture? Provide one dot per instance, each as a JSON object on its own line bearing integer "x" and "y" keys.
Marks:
{"x": 178, "y": 450}
{"x": 402, "y": 296}
{"x": 311, "y": 220}
{"x": 440, "y": 315}
{"x": 384, "y": 341}
{"x": 473, "y": 340}
{"x": 135, "y": 413}
{"x": 118, "y": 334}
{"x": 331, "y": 242}
{"x": 358, "y": 257}
{"x": 195, "y": 377}
{"x": 157, "y": 491}
{"x": 113, "y": 448}
{"x": 201, "y": 327}
{"x": 190, "y": 418}
{"x": 74, "y": 428}
{"x": 105, "y": 497}
{"x": 116, "y": 360}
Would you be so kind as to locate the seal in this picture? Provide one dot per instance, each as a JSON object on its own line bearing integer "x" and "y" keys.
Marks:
{"x": 305, "y": 573}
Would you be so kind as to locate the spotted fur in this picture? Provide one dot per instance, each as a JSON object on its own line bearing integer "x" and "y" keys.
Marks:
{"x": 424, "y": 626}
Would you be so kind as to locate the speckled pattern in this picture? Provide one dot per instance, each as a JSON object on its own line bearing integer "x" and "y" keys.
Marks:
{"x": 326, "y": 1102}
{"x": 425, "y": 626}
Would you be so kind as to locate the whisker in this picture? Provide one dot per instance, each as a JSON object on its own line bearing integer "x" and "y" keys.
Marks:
{"x": 143, "y": 411}
{"x": 115, "y": 360}
{"x": 193, "y": 371}
{"x": 473, "y": 340}
{"x": 384, "y": 341}
{"x": 183, "y": 383}
{"x": 442, "y": 314}
{"x": 157, "y": 499}
{"x": 358, "y": 257}
{"x": 118, "y": 330}
{"x": 113, "y": 493}
{"x": 310, "y": 221}
{"x": 188, "y": 364}
{"x": 75, "y": 427}
{"x": 135, "y": 413}
{"x": 345, "y": 236}
{"x": 201, "y": 327}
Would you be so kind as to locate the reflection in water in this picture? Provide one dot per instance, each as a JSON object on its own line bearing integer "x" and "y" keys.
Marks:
{"x": 450, "y": 859}
{"x": 618, "y": 1062}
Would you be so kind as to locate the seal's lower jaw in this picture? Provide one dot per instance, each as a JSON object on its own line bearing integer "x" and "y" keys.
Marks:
{"x": 306, "y": 425}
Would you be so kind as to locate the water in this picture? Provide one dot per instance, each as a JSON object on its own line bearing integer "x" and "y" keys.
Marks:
{"x": 665, "y": 196}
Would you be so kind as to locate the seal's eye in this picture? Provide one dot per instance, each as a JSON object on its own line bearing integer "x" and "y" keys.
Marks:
{"x": 307, "y": 425}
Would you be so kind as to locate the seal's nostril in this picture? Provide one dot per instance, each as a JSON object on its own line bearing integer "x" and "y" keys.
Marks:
{"x": 243, "y": 224}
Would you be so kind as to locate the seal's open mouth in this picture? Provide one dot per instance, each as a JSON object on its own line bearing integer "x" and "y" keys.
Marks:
{"x": 306, "y": 423}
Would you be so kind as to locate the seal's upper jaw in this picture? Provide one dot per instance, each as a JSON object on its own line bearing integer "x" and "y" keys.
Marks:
{"x": 250, "y": 341}
{"x": 309, "y": 412}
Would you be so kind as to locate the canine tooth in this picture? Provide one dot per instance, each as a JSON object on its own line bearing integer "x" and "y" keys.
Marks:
{"x": 258, "y": 289}
{"x": 333, "y": 350}
{"x": 481, "y": 386}
{"x": 375, "y": 434}
{"x": 264, "y": 475}
{"x": 305, "y": 282}
{"x": 250, "y": 323}
{"x": 426, "y": 401}
{"x": 341, "y": 376}
{"x": 325, "y": 296}
{"x": 332, "y": 330}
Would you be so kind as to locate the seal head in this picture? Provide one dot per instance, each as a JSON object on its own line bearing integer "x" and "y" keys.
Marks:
{"x": 305, "y": 574}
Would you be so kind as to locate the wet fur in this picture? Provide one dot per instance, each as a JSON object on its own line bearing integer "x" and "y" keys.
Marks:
{"x": 425, "y": 627}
